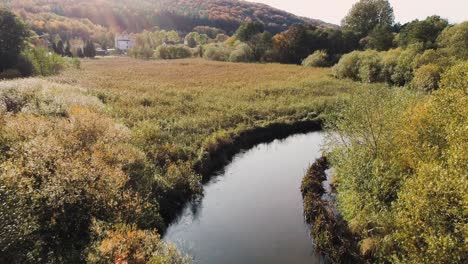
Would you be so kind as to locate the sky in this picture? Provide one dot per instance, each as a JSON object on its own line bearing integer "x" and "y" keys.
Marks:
{"x": 333, "y": 11}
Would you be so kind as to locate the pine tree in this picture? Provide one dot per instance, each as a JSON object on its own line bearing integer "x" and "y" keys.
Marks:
{"x": 80, "y": 53}
{"x": 89, "y": 49}
{"x": 60, "y": 48}
{"x": 68, "y": 52}
{"x": 54, "y": 47}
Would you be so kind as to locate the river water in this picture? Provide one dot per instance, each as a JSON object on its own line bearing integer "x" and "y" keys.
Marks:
{"x": 251, "y": 212}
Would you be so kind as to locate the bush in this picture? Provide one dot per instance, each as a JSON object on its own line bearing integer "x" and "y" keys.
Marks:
{"x": 45, "y": 63}
{"x": 426, "y": 78}
{"x": 348, "y": 66}
{"x": 370, "y": 66}
{"x": 364, "y": 66}
{"x": 141, "y": 52}
{"x": 241, "y": 53}
{"x": 403, "y": 73}
{"x": 318, "y": 59}
{"x": 217, "y": 52}
{"x": 389, "y": 63}
{"x": 401, "y": 165}
{"x": 456, "y": 77}
{"x": 128, "y": 244}
{"x": 172, "y": 52}
{"x": 454, "y": 40}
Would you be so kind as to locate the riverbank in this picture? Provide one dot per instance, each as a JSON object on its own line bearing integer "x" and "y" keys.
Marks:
{"x": 330, "y": 233}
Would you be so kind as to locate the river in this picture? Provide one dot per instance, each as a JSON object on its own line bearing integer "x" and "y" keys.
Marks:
{"x": 251, "y": 212}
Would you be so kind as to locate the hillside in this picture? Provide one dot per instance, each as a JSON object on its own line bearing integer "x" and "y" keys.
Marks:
{"x": 87, "y": 17}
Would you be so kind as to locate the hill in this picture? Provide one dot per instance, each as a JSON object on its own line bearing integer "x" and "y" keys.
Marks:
{"x": 85, "y": 17}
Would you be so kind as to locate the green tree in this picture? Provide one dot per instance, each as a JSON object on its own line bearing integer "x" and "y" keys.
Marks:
{"x": 89, "y": 50}
{"x": 60, "y": 48}
{"x": 67, "y": 51}
{"x": 425, "y": 31}
{"x": 190, "y": 39}
{"x": 80, "y": 53}
{"x": 291, "y": 46}
{"x": 380, "y": 38}
{"x": 260, "y": 43}
{"x": 246, "y": 31}
{"x": 365, "y": 15}
{"x": 13, "y": 36}
{"x": 44, "y": 63}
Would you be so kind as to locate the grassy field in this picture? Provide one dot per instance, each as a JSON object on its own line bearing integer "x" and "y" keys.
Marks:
{"x": 179, "y": 110}
{"x": 117, "y": 142}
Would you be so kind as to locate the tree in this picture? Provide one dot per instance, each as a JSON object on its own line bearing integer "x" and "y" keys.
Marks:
{"x": 13, "y": 35}
{"x": 54, "y": 47}
{"x": 67, "y": 51}
{"x": 80, "y": 53}
{"x": 380, "y": 38}
{"x": 60, "y": 48}
{"x": 89, "y": 49}
{"x": 190, "y": 39}
{"x": 365, "y": 15}
{"x": 260, "y": 43}
{"x": 246, "y": 31}
{"x": 425, "y": 31}
{"x": 291, "y": 46}
{"x": 194, "y": 39}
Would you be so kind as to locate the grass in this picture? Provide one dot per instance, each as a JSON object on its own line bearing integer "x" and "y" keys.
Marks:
{"x": 181, "y": 110}
{"x": 189, "y": 100}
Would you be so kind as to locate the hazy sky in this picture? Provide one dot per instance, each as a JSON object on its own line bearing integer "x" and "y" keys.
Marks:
{"x": 405, "y": 10}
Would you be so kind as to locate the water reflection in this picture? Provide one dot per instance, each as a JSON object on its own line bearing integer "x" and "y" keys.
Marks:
{"x": 252, "y": 211}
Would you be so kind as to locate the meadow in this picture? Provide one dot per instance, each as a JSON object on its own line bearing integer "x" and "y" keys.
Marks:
{"x": 109, "y": 152}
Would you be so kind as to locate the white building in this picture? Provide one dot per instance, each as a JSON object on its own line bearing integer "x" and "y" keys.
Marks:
{"x": 123, "y": 42}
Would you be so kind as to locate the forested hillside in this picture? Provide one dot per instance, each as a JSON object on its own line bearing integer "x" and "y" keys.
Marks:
{"x": 86, "y": 17}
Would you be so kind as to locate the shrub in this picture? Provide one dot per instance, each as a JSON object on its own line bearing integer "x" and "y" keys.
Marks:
{"x": 430, "y": 213}
{"x": 389, "y": 63}
{"x": 370, "y": 66}
{"x": 364, "y": 66}
{"x": 128, "y": 244}
{"x": 348, "y": 66}
{"x": 217, "y": 52}
{"x": 172, "y": 52}
{"x": 403, "y": 73}
{"x": 66, "y": 171}
{"x": 241, "y": 53}
{"x": 318, "y": 59}
{"x": 141, "y": 52}
{"x": 454, "y": 40}
{"x": 426, "y": 78}
{"x": 456, "y": 77}
{"x": 42, "y": 97}
{"x": 401, "y": 167}
{"x": 45, "y": 63}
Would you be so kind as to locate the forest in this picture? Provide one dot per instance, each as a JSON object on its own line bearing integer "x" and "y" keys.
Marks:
{"x": 99, "y": 153}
